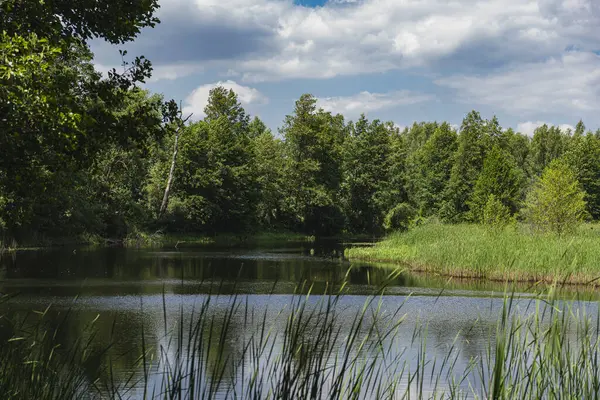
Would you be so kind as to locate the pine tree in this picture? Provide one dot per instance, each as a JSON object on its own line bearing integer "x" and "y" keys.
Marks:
{"x": 472, "y": 145}
{"x": 431, "y": 169}
{"x": 499, "y": 177}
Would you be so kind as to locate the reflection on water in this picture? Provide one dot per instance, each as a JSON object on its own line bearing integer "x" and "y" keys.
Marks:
{"x": 130, "y": 291}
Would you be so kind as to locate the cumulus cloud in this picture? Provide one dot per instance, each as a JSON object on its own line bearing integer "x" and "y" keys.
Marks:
{"x": 382, "y": 35}
{"x": 198, "y": 99}
{"x": 529, "y": 58}
{"x": 365, "y": 101}
{"x": 529, "y": 127}
{"x": 568, "y": 83}
{"x": 277, "y": 39}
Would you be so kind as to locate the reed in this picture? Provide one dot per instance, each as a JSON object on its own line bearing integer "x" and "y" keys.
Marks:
{"x": 509, "y": 254}
{"x": 314, "y": 349}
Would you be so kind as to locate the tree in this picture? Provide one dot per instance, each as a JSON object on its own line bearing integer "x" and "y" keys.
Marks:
{"x": 468, "y": 162}
{"x": 495, "y": 214}
{"x": 313, "y": 143}
{"x": 395, "y": 188}
{"x": 583, "y": 157}
{"x": 223, "y": 103}
{"x": 366, "y": 171}
{"x": 431, "y": 168}
{"x": 519, "y": 146}
{"x": 548, "y": 144}
{"x": 499, "y": 177}
{"x": 179, "y": 125}
{"x": 217, "y": 187}
{"x": 556, "y": 203}
{"x": 399, "y": 217}
{"x": 65, "y": 21}
{"x": 63, "y": 113}
{"x": 273, "y": 210}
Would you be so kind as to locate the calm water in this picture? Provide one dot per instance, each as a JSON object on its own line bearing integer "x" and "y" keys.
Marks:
{"x": 129, "y": 289}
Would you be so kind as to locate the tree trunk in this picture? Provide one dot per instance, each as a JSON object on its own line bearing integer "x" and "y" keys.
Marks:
{"x": 165, "y": 200}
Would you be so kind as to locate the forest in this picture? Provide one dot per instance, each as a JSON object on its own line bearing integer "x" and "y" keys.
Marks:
{"x": 86, "y": 155}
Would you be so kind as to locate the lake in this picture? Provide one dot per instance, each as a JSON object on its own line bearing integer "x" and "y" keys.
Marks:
{"x": 134, "y": 296}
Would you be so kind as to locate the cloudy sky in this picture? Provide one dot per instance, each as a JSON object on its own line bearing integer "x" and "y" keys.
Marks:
{"x": 526, "y": 61}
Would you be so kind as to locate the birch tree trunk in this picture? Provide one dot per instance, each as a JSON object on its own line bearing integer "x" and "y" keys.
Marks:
{"x": 165, "y": 200}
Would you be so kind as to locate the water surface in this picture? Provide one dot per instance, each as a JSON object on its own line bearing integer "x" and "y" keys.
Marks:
{"x": 127, "y": 291}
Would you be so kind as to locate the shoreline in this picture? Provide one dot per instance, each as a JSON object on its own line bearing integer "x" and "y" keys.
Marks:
{"x": 471, "y": 276}
{"x": 512, "y": 255}
{"x": 149, "y": 240}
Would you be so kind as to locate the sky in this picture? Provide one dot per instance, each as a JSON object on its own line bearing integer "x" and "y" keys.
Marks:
{"x": 528, "y": 62}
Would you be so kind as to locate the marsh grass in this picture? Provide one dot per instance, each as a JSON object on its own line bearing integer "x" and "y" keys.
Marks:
{"x": 158, "y": 239}
{"x": 315, "y": 349}
{"x": 509, "y": 254}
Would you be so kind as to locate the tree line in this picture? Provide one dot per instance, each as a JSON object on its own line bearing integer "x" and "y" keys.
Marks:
{"x": 87, "y": 154}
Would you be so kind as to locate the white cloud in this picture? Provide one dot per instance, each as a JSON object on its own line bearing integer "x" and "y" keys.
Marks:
{"x": 198, "y": 99}
{"x": 364, "y": 102}
{"x": 529, "y": 127}
{"x": 172, "y": 72}
{"x": 382, "y": 35}
{"x": 160, "y": 72}
{"x": 569, "y": 83}
{"x": 347, "y": 37}
{"x": 399, "y": 127}
{"x": 508, "y": 54}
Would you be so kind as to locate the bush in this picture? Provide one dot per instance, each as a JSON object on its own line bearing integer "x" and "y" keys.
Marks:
{"x": 399, "y": 217}
{"x": 495, "y": 213}
{"x": 556, "y": 202}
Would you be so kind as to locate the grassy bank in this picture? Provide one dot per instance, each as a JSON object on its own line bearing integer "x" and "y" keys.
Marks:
{"x": 473, "y": 251}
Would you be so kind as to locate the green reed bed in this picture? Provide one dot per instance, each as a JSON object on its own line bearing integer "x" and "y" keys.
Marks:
{"x": 314, "y": 349}
{"x": 512, "y": 253}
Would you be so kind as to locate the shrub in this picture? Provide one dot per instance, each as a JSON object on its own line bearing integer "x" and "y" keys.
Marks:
{"x": 495, "y": 213}
{"x": 399, "y": 217}
{"x": 557, "y": 202}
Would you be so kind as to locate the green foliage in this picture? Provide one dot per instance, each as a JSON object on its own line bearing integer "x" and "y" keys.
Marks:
{"x": 431, "y": 168}
{"x": 216, "y": 188}
{"x": 313, "y": 143}
{"x": 87, "y": 155}
{"x": 500, "y": 178}
{"x": 496, "y": 214}
{"x": 367, "y": 167}
{"x": 556, "y": 203}
{"x": 583, "y": 157}
{"x": 63, "y": 114}
{"x": 548, "y": 144}
{"x": 399, "y": 218}
{"x": 273, "y": 209}
{"x": 83, "y": 20}
{"x": 511, "y": 253}
{"x": 468, "y": 162}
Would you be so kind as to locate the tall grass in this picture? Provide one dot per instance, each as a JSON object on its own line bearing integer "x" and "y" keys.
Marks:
{"x": 158, "y": 239}
{"x": 506, "y": 254}
{"x": 315, "y": 349}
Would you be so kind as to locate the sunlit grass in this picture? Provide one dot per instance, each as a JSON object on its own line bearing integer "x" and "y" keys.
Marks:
{"x": 475, "y": 251}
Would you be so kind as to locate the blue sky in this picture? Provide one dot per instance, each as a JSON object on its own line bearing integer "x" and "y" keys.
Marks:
{"x": 527, "y": 61}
